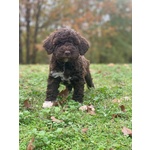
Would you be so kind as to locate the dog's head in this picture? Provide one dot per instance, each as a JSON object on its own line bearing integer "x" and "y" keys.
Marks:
{"x": 66, "y": 44}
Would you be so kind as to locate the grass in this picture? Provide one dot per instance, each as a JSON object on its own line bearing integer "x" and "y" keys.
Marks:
{"x": 113, "y": 87}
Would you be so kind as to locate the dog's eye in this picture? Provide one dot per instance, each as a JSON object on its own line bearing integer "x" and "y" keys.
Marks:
{"x": 74, "y": 49}
{"x": 62, "y": 50}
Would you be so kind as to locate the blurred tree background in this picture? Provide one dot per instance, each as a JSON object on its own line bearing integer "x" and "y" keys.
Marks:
{"x": 106, "y": 24}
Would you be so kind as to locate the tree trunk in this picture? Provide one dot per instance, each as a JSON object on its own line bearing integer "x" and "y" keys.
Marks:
{"x": 28, "y": 32}
{"x": 36, "y": 31}
{"x": 20, "y": 43}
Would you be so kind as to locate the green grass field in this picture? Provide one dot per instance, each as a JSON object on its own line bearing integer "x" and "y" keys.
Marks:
{"x": 76, "y": 129}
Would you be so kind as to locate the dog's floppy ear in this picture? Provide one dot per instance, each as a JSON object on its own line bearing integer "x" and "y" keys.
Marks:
{"x": 83, "y": 46}
{"x": 48, "y": 44}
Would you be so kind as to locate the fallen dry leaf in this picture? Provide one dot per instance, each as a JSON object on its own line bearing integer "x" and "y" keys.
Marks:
{"x": 116, "y": 100}
{"x": 90, "y": 109}
{"x": 91, "y": 112}
{"x": 83, "y": 108}
{"x": 56, "y": 120}
{"x": 30, "y": 145}
{"x": 122, "y": 108}
{"x": 99, "y": 71}
{"x": 27, "y": 104}
{"x": 127, "y": 131}
{"x": 84, "y": 130}
{"x": 116, "y": 115}
{"x": 111, "y": 64}
{"x": 64, "y": 93}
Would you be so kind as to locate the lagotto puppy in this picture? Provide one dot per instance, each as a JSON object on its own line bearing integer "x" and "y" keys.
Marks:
{"x": 68, "y": 64}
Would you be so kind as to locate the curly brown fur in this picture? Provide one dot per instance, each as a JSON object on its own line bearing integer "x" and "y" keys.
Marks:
{"x": 68, "y": 65}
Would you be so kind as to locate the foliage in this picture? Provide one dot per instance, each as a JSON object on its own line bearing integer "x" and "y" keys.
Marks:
{"x": 107, "y": 24}
{"x": 68, "y": 127}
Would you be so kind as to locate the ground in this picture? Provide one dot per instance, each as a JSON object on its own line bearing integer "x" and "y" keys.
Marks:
{"x": 66, "y": 127}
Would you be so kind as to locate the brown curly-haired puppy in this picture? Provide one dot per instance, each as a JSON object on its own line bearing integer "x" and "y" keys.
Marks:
{"x": 68, "y": 65}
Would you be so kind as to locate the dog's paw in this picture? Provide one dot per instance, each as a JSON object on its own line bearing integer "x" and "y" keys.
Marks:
{"x": 48, "y": 104}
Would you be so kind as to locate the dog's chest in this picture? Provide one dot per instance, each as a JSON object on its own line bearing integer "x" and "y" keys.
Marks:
{"x": 58, "y": 74}
{"x": 66, "y": 72}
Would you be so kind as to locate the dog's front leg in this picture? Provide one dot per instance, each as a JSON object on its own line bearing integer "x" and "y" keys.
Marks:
{"x": 52, "y": 91}
{"x": 78, "y": 91}
{"x": 52, "y": 88}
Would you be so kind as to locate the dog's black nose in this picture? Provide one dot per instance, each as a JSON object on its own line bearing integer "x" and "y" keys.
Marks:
{"x": 67, "y": 53}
